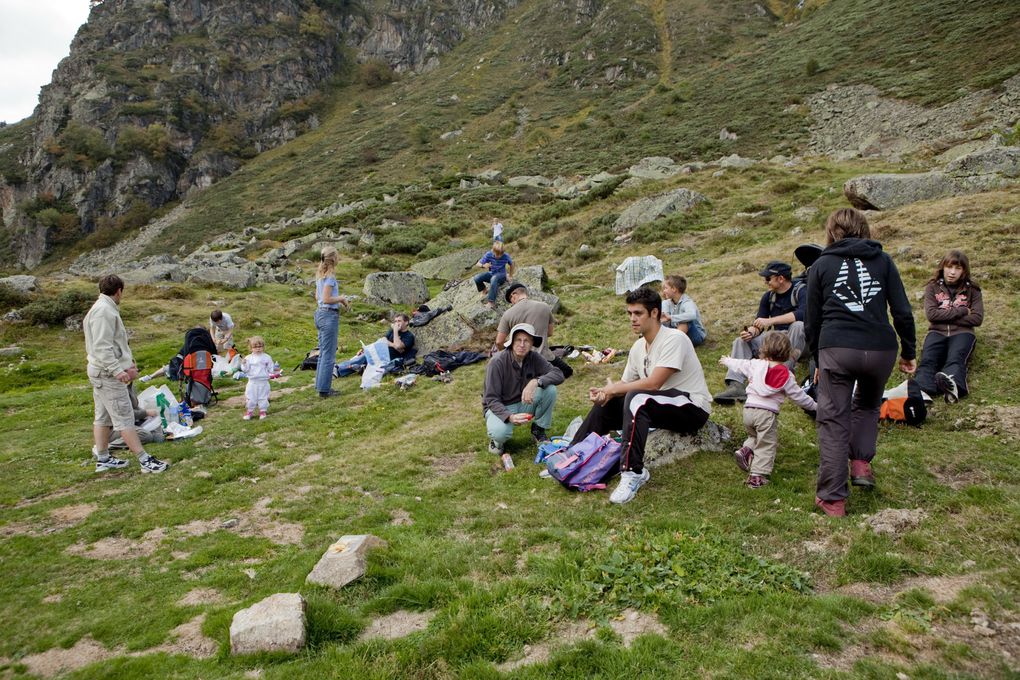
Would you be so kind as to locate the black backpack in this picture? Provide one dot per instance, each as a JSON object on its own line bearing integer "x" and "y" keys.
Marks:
{"x": 310, "y": 362}
{"x": 798, "y": 285}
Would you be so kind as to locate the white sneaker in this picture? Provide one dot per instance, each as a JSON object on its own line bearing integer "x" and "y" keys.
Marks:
{"x": 630, "y": 482}
{"x": 495, "y": 447}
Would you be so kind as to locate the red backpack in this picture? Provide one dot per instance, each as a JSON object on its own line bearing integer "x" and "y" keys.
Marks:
{"x": 196, "y": 379}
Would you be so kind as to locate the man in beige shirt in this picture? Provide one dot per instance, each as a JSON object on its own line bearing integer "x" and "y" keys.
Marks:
{"x": 111, "y": 368}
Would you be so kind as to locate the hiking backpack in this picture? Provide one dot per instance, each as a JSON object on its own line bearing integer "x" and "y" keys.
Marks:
{"x": 798, "y": 286}
{"x": 587, "y": 465}
{"x": 196, "y": 379}
{"x": 310, "y": 362}
{"x": 910, "y": 409}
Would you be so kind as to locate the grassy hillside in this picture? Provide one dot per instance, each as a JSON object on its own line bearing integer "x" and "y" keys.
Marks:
{"x": 744, "y": 583}
{"x": 690, "y": 68}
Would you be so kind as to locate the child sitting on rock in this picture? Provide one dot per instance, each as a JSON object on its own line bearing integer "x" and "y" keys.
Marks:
{"x": 769, "y": 383}
{"x": 257, "y": 366}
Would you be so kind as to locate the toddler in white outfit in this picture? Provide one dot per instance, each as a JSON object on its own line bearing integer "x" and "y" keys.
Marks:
{"x": 257, "y": 366}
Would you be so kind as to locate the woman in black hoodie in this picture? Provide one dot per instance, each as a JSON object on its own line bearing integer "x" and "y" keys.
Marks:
{"x": 850, "y": 288}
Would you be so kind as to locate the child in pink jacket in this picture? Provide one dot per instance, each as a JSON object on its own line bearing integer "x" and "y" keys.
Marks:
{"x": 769, "y": 383}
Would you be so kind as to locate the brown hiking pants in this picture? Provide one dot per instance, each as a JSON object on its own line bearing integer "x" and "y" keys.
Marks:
{"x": 847, "y": 421}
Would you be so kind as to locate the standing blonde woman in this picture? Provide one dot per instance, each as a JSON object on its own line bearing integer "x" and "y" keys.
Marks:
{"x": 327, "y": 319}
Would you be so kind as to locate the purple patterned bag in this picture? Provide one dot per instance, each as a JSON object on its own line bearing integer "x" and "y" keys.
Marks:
{"x": 587, "y": 465}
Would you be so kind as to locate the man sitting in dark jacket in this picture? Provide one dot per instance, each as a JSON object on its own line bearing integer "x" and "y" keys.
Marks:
{"x": 519, "y": 385}
{"x": 781, "y": 308}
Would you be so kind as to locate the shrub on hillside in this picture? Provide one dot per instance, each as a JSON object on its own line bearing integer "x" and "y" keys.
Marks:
{"x": 11, "y": 298}
{"x": 375, "y": 74}
{"x": 79, "y": 146}
{"x": 53, "y": 311}
{"x": 152, "y": 141}
{"x": 811, "y": 67}
{"x": 400, "y": 242}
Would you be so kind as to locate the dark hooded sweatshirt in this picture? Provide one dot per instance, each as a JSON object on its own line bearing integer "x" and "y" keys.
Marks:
{"x": 850, "y": 287}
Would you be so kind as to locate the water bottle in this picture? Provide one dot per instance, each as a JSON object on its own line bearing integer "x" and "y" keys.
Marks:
{"x": 276, "y": 367}
{"x": 175, "y": 414}
{"x": 508, "y": 462}
{"x": 186, "y": 418}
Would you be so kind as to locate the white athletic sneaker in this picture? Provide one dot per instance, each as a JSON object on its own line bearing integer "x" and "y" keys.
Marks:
{"x": 495, "y": 447}
{"x": 630, "y": 482}
{"x": 151, "y": 464}
{"x": 110, "y": 463}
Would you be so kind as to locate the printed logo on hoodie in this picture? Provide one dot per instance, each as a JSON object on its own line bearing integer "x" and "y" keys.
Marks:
{"x": 855, "y": 294}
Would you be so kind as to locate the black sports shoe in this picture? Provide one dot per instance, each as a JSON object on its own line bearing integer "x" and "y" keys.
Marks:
{"x": 947, "y": 386}
{"x": 539, "y": 434}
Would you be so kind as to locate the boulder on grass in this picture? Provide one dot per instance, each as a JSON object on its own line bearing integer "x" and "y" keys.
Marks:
{"x": 344, "y": 561}
{"x": 453, "y": 265}
{"x": 652, "y": 208}
{"x": 654, "y": 167}
{"x": 276, "y": 624}
{"x": 883, "y": 192}
{"x": 537, "y": 181}
{"x": 237, "y": 278}
{"x": 401, "y": 288}
{"x": 1003, "y": 160}
{"x": 470, "y": 316}
{"x": 23, "y": 283}
{"x": 665, "y": 447}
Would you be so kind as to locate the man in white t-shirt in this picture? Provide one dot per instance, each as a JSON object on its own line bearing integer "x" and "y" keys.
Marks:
{"x": 663, "y": 386}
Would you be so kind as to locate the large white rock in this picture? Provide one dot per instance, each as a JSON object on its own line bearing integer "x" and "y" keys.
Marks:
{"x": 883, "y": 192}
{"x": 21, "y": 282}
{"x": 344, "y": 561}
{"x": 529, "y": 181}
{"x": 450, "y": 266}
{"x": 654, "y": 167}
{"x": 276, "y": 624}
{"x": 403, "y": 288}
{"x": 651, "y": 208}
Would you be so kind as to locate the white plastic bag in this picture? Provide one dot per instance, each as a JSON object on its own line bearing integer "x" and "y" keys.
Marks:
{"x": 372, "y": 377}
{"x": 147, "y": 399}
{"x": 224, "y": 367}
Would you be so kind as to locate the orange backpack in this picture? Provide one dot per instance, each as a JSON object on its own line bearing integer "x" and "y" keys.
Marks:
{"x": 910, "y": 409}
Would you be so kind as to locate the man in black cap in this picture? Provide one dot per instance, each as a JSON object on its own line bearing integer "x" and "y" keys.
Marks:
{"x": 535, "y": 312}
{"x": 780, "y": 309}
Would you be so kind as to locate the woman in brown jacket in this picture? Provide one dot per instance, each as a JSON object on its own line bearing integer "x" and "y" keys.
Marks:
{"x": 953, "y": 305}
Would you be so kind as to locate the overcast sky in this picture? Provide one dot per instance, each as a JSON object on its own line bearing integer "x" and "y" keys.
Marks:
{"x": 34, "y": 36}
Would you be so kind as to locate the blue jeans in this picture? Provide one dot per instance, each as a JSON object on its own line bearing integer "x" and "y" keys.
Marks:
{"x": 542, "y": 408}
{"x": 695, "y": 333}
{"x": 355, "y": 364}
{"x": 327, "y": 323}
{"x": 494, "y": 281}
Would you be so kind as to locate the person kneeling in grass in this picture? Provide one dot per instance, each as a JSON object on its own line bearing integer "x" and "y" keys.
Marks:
{"x": 663, "y": 386}
{"x": 519, "y": 385}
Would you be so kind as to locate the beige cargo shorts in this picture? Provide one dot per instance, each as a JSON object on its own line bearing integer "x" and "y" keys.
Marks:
{"x": 113, "y": 405}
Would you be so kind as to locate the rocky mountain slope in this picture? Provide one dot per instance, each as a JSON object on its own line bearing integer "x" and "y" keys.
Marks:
{"x": 184, "y": 93}
{"x": 158, "y": 99}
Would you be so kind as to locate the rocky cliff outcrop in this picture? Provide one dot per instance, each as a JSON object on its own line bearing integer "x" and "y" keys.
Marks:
{"x": 162, "y": 97}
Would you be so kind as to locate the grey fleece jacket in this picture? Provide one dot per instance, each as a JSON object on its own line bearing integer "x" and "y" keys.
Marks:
{"x": 505, "y": 380}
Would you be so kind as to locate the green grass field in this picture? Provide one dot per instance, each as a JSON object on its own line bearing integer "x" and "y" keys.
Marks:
{"x": 140, "y": 575}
